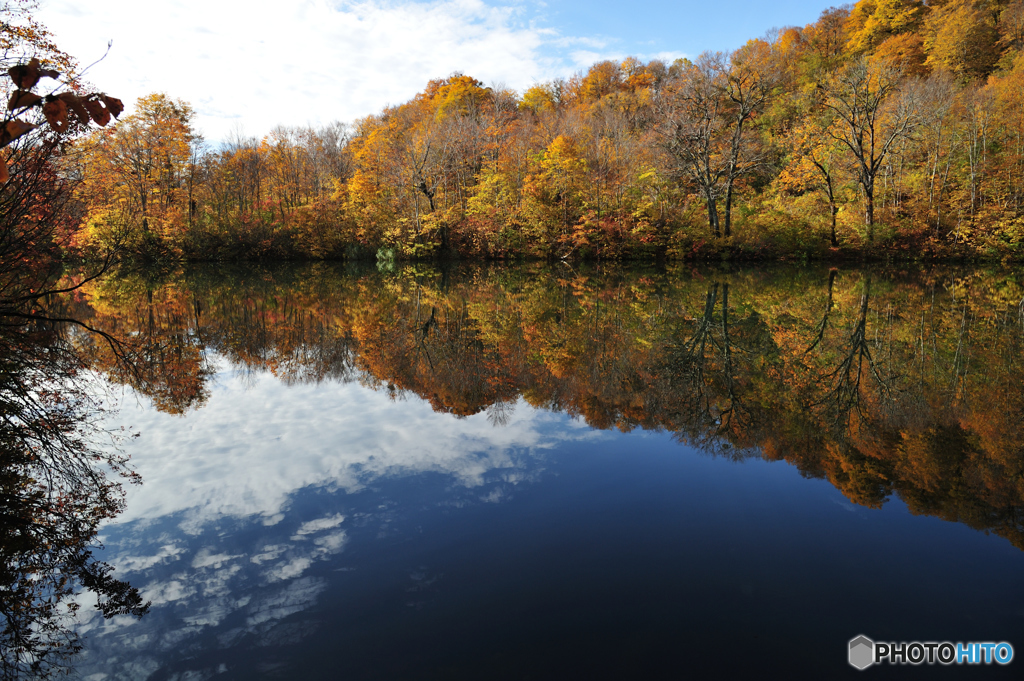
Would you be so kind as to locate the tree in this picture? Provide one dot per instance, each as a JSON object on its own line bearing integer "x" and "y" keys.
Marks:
{"x": 1011, "y": 28}
{"x": 54, "y": 489}
{"x": 872, "y": 22}
{"x": 827, "y": 37}
{"x": 815, "y": 164}
{"x": 136, "y": 175}
{"x": 35, "y": 217}
{"x": 870, "y": 120}
{"x": 694, "y": 129}
{"x": 937, "y": 138}
{"x": 961, "y": 37}
{"x": 749, "y": 80}
{"x": 557, "y": 188}
{"x": 906, "y": 50}
{"x": 706, "y": 112}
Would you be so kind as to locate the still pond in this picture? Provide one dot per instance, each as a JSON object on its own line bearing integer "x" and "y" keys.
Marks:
{"x": 559, "y": 472}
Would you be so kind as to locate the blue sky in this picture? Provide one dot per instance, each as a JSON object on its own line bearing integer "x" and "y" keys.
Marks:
{"x": 248, "y": 66}
{"x": 682, "y": 26}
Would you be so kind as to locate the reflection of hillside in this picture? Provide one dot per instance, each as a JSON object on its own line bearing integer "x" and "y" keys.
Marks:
{"x": 880, "y": 383}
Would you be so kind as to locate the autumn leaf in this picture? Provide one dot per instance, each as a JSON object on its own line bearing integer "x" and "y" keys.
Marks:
{"x": 56, "y": 113}
{"x": 21, "y": 99}
{"x": 25, "y": 76}
{"x": 74, "y": 103}
{"x": 116, "y": 106}
{"x": 4, "y": 175}
{"x": 97, "y": 111}
{"x": 13, "y": 130}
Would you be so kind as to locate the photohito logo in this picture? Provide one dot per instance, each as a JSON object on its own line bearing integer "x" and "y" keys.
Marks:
{"x": 863, "y": 652}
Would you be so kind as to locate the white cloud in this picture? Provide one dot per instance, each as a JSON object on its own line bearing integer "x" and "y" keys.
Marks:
{"x": 269, "y": 553}
{"x": 167, "y": 553}
{"x": 216, "y": 584}
{"x": 330, "y": 543}
{"x": 257, "y": 442}
{"x": 319, "y": 525}
{"x": 167, "y": 592}
{"x": 289, "y": 569}
{"x": 295, "y": 597}
{"x": 263, "y": 63}
{"x": 206, "y": 558}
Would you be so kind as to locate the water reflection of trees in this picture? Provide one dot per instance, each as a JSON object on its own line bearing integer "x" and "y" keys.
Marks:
{"x": 881, "y": 383}
{"x": 58, "y": 482}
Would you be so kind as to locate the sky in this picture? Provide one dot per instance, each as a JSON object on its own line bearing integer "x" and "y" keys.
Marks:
{"x": 246, "y": 67}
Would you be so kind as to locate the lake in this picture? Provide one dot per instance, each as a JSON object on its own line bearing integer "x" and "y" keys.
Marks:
{"x": 540, "y": 472}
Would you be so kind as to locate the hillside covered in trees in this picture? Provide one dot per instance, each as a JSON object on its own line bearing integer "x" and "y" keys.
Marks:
{"x": 886, "y": 128}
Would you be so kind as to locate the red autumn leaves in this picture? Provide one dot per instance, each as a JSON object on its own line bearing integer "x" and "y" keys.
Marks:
{"x": 59, "y": 110}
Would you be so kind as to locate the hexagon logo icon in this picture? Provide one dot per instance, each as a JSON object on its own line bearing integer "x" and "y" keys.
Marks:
{"x": 862, "y": 652}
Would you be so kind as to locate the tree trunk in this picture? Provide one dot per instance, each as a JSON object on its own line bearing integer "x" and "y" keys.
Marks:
{"x": 734, "y": 158}
{"x": 427, "y": 192}
{"x": 728, "y": 207}
{"x": 713, "y": 216}
{"x": 834, "y": 210}
{"x": 869, "y": 209}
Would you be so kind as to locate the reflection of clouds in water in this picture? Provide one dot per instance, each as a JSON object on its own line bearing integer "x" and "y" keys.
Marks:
{"x": 217, "y": 583}
{"x": 213, "y": 535}
{"x": 206, "y": 586}
{"x": 319, "y": 524}
{"x": 294, "y": 597}
{"x": 269, "y": 553}
{"x": 207, "y": 558}
{"x": 288, "y": 569}
{"x": 174, "y": 590}
{"x": 497, "y": 494}
{"x": 166, "y": 553}
{"x": 252, "y": 446}
{"x": 331, "y": 543}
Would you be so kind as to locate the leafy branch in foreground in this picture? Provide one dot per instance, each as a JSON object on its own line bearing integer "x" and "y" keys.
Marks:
{"x": 59, "y": 109}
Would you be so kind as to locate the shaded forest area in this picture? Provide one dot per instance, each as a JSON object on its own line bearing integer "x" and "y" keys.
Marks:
{"x": 889, "y": 128}
{"x": 883, "y": 383}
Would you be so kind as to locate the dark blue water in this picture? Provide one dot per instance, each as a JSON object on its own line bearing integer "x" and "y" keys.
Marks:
{"x": 382, "y": 540}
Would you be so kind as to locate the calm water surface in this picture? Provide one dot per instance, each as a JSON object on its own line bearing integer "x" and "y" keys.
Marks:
{"x": 534, "y": 473}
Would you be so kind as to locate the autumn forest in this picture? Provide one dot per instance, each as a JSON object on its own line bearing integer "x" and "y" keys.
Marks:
{"x": 887, "y": 128}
